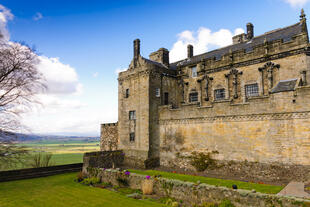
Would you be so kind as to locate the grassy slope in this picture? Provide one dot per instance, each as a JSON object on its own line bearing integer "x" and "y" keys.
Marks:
{"x": 263, "y": 188}
{"x": 61, "y": 190}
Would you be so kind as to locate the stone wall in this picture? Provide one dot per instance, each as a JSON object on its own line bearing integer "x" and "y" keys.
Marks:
{"x": 109, "y": 137}
{"x": 265, "y": 129}
{"x": 194, "y": 194}
{"x": 103, "y": 159}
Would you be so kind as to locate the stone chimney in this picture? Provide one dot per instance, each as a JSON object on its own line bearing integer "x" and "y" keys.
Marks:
{"x": 190, "y": 51}
{"x": 239, "y": 38}
{"x": 250, "y": 31}
{"x": 136, "y": 48}
{"x": 161, "y": 56}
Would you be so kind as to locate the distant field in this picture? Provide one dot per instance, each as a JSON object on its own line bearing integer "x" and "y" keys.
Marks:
{"x": 64, "y": 152}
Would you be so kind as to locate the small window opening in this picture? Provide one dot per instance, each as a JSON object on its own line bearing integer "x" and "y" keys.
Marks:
{"x": 166, "y": 98}
{"x": 132, "y": 137}
{"x": 157, "y": 92}
{"x": 251, "y": 90}
{"x": 193, "y": 97}
{"x": 194, "y": 71}
{"x": 132, "y": 115}
{"x": 127, "y": 93}
{"x": 219, "y": 94}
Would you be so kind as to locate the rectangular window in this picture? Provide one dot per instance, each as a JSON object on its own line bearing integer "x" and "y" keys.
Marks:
{"x": 132, "y": 137}
{"x": 219, "y": 94}
{"x": 194, "y": 71}
{"x": 127, "y": 93}
{"x": 166, "y": 98}
{"x": 132, "y": 115}
{"x": 193, "y": 97}
{"x": 157, "y": 92}
{"x": 251, "y": 90}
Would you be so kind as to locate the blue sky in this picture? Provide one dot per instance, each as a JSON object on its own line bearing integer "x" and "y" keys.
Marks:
{"x": 84, "y": 43}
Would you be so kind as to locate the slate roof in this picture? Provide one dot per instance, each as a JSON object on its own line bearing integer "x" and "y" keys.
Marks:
{"x": 285, "y": 85}
{"x": 285, "y": 33}
{"x": 155, "y": 63}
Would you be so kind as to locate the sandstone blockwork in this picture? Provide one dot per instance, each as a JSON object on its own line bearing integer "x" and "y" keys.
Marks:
{"x": 109, "y": 137}
{"x": 249, "y": 101}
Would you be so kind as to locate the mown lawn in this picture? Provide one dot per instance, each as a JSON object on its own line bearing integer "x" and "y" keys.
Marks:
{"x": 61, "y": 190}
{"x": 263, "y": 188}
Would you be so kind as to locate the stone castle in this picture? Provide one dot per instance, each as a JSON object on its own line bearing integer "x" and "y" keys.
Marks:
{"x": 247, "y": 101}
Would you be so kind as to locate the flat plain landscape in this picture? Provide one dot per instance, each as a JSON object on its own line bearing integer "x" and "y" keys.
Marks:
{"x": 63, "y": 151}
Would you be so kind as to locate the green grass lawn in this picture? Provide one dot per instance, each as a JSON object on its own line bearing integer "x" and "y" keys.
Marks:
{"x": 61, "y": 190}
{"x": 70, "y": 158}
{"x": 263, "y": 188}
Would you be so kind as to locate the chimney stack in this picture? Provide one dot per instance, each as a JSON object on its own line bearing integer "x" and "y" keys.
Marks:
{"x": 250, "y": 31}
{"x": 136, "y": 48}
{"x": 190, "y": 51}
{"x": 161, "y": 56}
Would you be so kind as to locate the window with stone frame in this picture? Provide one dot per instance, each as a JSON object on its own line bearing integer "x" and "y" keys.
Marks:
{"x": 166, "y": 98}
{"x": 251, "y": 90}
{"x": 193, "y": 97}
{"x": 132, "y": 115}
{"x": 194, "y": 71}
{"x": 219, "y": 94}
{"x": 132, "y": 137}
{"x": 127, "y": 93}
{"x": 157, "y": 92}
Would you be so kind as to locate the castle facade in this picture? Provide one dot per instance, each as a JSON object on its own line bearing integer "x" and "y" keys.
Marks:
{"x": 247, "y": 101}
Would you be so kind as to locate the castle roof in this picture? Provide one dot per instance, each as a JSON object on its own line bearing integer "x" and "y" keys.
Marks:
{"x": 285, "y": 85}
{"x": 285, "y": 34}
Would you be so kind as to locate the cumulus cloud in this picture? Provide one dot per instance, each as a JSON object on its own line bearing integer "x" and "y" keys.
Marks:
{"x": 5, "y": 16}
{"x": 297, "y": 3}
{"x": 202, "y": 40}
{"x": 57, "y": 106}
{"x": 60, "y": 78}
{"x": 95, "y": 75}
{"x": 118, "y": 70}
{"x": 37, "y": 16}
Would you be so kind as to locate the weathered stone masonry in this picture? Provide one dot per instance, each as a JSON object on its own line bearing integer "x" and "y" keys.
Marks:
{"x": 248, "y": 101}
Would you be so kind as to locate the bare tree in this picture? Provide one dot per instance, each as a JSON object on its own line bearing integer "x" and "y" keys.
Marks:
{"x": 20, "y": 81}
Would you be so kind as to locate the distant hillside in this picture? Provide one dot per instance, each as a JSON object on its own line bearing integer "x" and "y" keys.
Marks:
{"x": 35, "y": 137}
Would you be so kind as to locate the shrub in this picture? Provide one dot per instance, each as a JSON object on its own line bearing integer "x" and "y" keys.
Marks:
{"x": 80, "y": 177}
{"x": 91, "y": 181}
{"x": 41, "y": 160}
{"x": 201, "y": 161}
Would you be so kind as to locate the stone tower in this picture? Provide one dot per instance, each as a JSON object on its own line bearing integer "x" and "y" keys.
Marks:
{"x": 139, "y": 95}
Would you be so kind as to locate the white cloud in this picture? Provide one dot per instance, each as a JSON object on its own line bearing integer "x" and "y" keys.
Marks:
{"x": 297, "y": 3}
{"x": 37, "y": 16}
{"x": 118, "y": 70}
{"x": 58, "y": 109}
{"x": 60, "y": 78}
{"x": 202, "y": 40}
{"x": 5, "y": 15}
{"x": 95, "y": 75}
